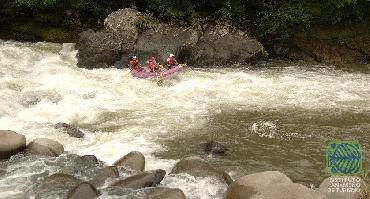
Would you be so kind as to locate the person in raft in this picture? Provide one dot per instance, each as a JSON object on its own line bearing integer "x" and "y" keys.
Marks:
{"x": 152, "y": 64}
{"x": 171, "y": 61}
{"x": 134, "y": 64}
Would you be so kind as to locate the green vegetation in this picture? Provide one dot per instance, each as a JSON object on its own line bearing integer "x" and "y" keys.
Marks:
{"x": 345, "y": 21}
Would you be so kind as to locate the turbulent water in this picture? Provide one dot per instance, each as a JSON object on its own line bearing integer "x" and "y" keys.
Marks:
{"x": 271, "y": 118}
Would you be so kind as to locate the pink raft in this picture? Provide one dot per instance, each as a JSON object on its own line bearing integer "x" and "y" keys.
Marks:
{"x": 151, "y": 75}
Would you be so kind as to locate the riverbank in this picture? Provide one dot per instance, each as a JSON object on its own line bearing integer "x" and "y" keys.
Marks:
{"x": 128, "y": 177}
{"x": 330, "y": 44}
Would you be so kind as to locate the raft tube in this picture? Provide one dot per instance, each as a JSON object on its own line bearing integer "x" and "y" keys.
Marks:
{"x": 149, "y": 75}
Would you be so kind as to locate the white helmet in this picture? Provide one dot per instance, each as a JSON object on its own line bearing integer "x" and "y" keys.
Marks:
{"x": 172, "y": 55}
{"x": 134, "y": 57}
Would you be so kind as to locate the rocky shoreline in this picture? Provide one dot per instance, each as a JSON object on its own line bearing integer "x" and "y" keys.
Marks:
{"x": 128, "y": 177}
{"x": 202, "y": 44}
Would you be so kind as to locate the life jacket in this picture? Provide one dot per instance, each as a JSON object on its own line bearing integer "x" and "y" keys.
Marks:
{"x": 153, "y": 66}
{"x": 171, "y": 61}
{"x": 135, "y": 65}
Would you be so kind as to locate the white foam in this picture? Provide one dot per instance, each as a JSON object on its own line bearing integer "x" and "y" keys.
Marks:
{"x": 41, "y": 85}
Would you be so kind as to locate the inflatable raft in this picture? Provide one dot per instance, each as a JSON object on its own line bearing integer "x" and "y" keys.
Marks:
{"x": 151, "y": 75}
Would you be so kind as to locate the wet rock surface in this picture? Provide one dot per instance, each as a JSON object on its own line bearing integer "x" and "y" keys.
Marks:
{"x": 70, "y": 130}
{"x": 11, "y": 143}
{"x": 270, "y": 185}
{"x": 103, "y": 174}
{"x": 133, "y": 160}
{"x": 198, "y": 167}
{"x": 57, "y": 185}
{"x": 83, "y": 190}
{"x": 44, "y": 146}
{"x": 142, "y": 180}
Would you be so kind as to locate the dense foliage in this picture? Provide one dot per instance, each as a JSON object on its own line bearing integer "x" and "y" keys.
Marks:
{"x": 273, "y": 19}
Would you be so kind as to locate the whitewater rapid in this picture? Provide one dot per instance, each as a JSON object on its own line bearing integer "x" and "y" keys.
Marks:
{"x": 41, "y": 85}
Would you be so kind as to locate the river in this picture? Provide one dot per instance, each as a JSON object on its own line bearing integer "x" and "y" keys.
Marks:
{"x": 270, "y": 118}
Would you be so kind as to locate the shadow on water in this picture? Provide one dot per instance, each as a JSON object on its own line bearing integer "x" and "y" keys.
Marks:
{"x": 292, "y": 140}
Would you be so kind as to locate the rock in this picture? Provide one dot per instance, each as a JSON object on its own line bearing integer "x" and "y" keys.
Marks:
{"x": 70, "y": 130}
{"x": 145, "y": 179}
{"x": 103, "y": 48}
{"x": 221, "y": 44}
{"x": 197, "y": 167}
{"x": 133, "y": 160}
{"x": 83, "y": 190}
{"x": 103, "y": 174}
{"x": 166, "y": 39}
{"x": 90, "y": 158}
{"x": 329, "y": 52}
{"x": 44, "y": 146}
{"x": 98, "y": 49}
{"x": 123, "y": 23}
{"x": 270, "y": 185}
{"x": 11, "y": 143}
{"x": 215, "y": 148}
{"x": 164, "y": 193}
{"x": 290, "y": 52}
{"x": 2, "y": 172}
{"x": 329, "y": 187}
{"x": 57, "y": 185}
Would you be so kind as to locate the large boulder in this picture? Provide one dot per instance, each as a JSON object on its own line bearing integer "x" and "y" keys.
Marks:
{"x": 46, "y": 147}
{"x": 11, "y": 143}
{"x": 270, "y": 185}
{"x": 102, "y": 49}
{"x": 133, "y": 160}
{"x": 103, "y": 174}
{"x": 70, "y": 130}
{"x": 222, "y": 44}
{"x": 83, "y": 190}
{"x": 142, "y": 180}
{"x": 123, "y": 22}
{"x": 98, "y": 49}
{"x": 197, "y": 167}
{"x": 343, "y": 187}
{"x": 57, "y": 185}
{"x": 164, "y": 39}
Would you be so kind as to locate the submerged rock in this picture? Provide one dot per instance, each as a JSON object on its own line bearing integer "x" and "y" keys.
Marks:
{"x": 70, "y": 130}
{"x": 215, "y": 148}
{"x": 44, "y": 146}
{"x": 329, "y": 186}
{"x": 197, "y": 167}
{"x": 103, "y": 174}
{"x": 11, "y": 143}
{"x": 133, "y": 160}
{"x": 145, "y": 179}
{"x": 270, "y": 185}
{"x": 83, "y": 190}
